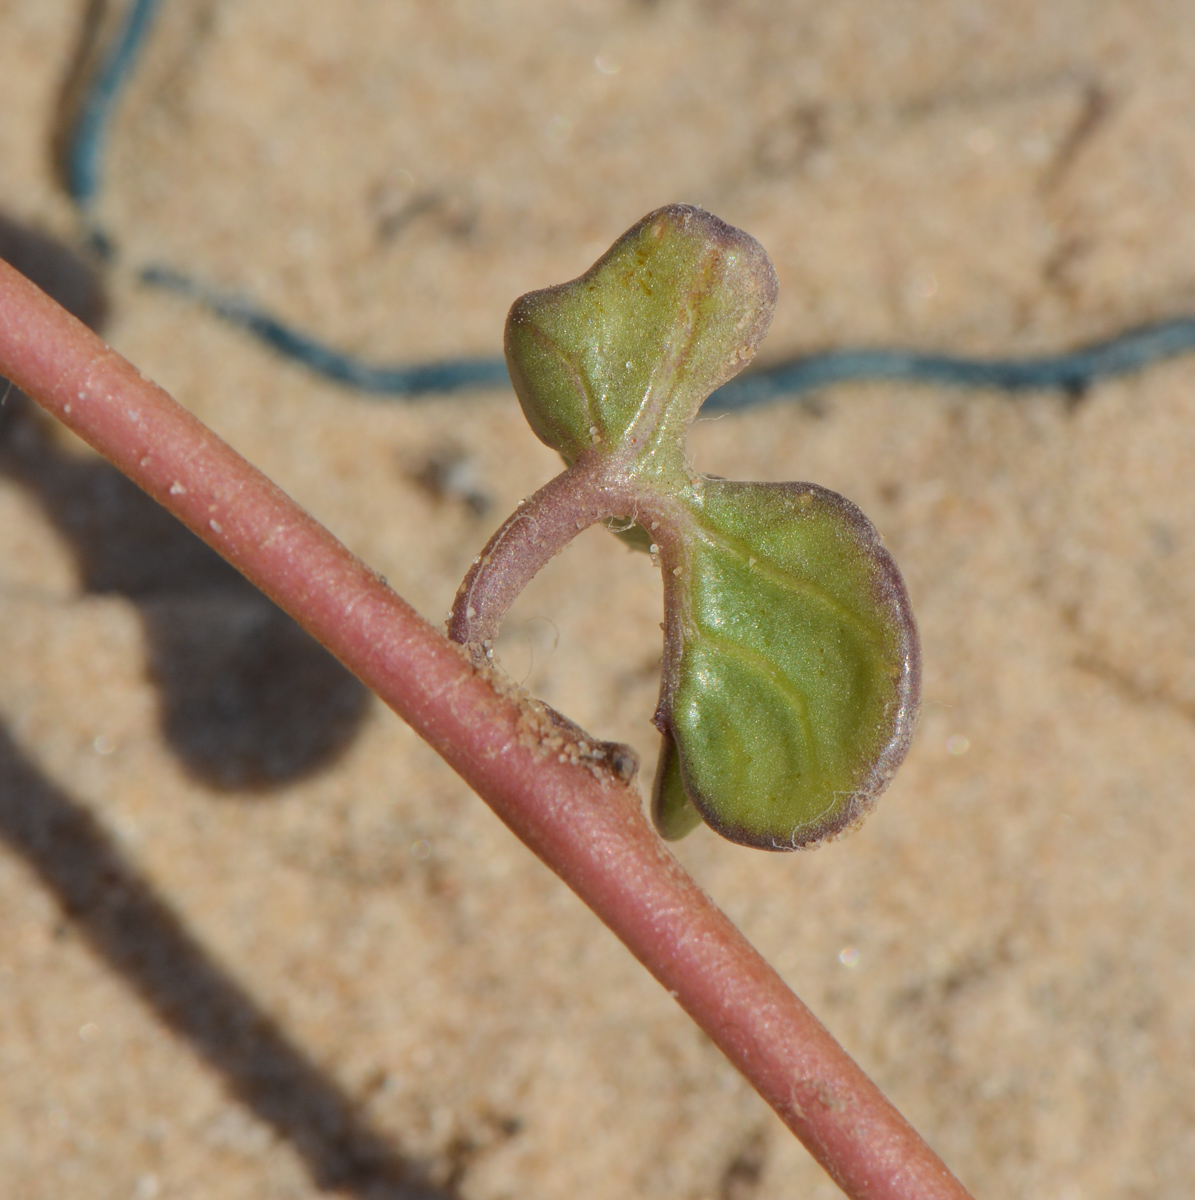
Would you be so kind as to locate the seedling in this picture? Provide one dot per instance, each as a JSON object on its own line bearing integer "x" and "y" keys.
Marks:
{"x": 572, "y": 808}
{"x": 791, "y": 669}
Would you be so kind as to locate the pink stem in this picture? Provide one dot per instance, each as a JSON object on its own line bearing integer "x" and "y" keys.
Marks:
{"x": 527, "y": 540}
{"x": 586, "y": 827}
{"x": 595, "y": 488}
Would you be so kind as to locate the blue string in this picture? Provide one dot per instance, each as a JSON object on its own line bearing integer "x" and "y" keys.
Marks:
{"x": 1072, "y": 371}
{"x": 87, "y": 138}
{"x": 425, "y": 379}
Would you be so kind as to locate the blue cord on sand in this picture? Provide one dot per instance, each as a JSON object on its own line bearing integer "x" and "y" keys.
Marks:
{"x": 1072, "y": 372}
{"x": 86, "y": 141}
{"x": 454, "y": 375}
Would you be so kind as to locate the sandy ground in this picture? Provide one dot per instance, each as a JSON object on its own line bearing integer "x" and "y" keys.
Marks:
{"x": 256, "y": 941}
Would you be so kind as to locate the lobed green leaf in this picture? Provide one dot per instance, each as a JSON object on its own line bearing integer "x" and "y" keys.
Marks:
{"x": 625, "y": 355}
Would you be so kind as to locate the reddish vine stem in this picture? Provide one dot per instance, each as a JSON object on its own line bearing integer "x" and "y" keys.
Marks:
{"x": 587, "y": 827}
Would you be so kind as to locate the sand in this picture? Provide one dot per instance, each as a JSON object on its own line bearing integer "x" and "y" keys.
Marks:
{"x": 257, "y": 941}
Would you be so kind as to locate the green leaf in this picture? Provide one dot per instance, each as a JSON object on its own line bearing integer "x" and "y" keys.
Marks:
{"x": 794, "y": 690}
{"x": 623, "y": 357}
